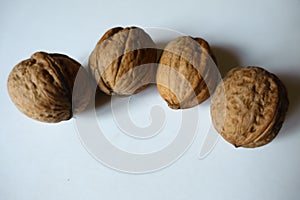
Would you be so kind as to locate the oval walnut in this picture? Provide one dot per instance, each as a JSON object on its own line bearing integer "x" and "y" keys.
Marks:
{"x": 187, "y": 72}
{"x": 123, "y": 61}
{"x": 42, "y": 87}
{"x": 249, "y": 107}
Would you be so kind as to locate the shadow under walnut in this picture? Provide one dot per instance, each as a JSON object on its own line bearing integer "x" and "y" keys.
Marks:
{"x": 227, "y": 58}
{"x": 292, "y": 83}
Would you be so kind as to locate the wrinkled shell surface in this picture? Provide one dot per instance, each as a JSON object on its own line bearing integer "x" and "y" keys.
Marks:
{"x": 123, "y": 61}
{"x": 249, "y": 107}
{"x": 41, "y": 87}
{"x": 187, "y": 72}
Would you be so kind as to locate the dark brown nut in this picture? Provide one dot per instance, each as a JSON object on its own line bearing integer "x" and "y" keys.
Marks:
{"x": 249, "y": 107}
{"x": 187, "y": 72}
{"x": 123, "y": 61}
{"x": 42, "y": 87}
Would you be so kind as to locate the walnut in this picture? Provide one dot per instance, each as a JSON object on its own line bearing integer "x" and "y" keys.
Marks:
{"x": 41, "y": 87}
{"x": 123, "y": 61}
{"x": 187, "y": 72}
{"x": 249, "y": 107}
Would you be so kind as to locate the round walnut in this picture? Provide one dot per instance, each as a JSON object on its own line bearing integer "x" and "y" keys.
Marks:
{"x": 123, "y": 61}
{"x": 42, "y": 87}
{"x": 187, "y": 72}
{"x": 249, "y": 107}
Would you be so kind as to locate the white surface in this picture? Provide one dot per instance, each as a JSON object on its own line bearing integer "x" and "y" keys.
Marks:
{"x": 47, "y": 161}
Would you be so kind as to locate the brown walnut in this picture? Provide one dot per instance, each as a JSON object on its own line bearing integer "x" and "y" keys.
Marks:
{"x": 249, "y": 107}
{"x": 42, "y": 87}
{"x": 187, "y": 72}
{"x": 123, "y": 61}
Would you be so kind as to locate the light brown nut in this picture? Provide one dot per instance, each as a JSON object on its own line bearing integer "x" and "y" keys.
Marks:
{"x": 41, "y": 87}
{"x": 123, "y": 61}
{"x": 187, "y": 72}
{"x": 249, "y": 107}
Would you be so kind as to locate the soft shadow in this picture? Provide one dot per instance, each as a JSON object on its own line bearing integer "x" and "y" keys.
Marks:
{"x": 226, "y": 59}
{"x": 292, "y": 83}
{"x": 101, "y": 99}
{"x": 160, "y": 47}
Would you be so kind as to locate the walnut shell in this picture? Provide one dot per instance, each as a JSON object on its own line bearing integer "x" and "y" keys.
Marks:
{"x": 42, "y": 87}
{"x": 123, "y": 61}
{"x": 187, "y": 72}
{"x": 249, "y": 107}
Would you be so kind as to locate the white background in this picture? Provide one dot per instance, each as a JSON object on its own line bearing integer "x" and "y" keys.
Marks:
{"x": 47, "y": 161}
